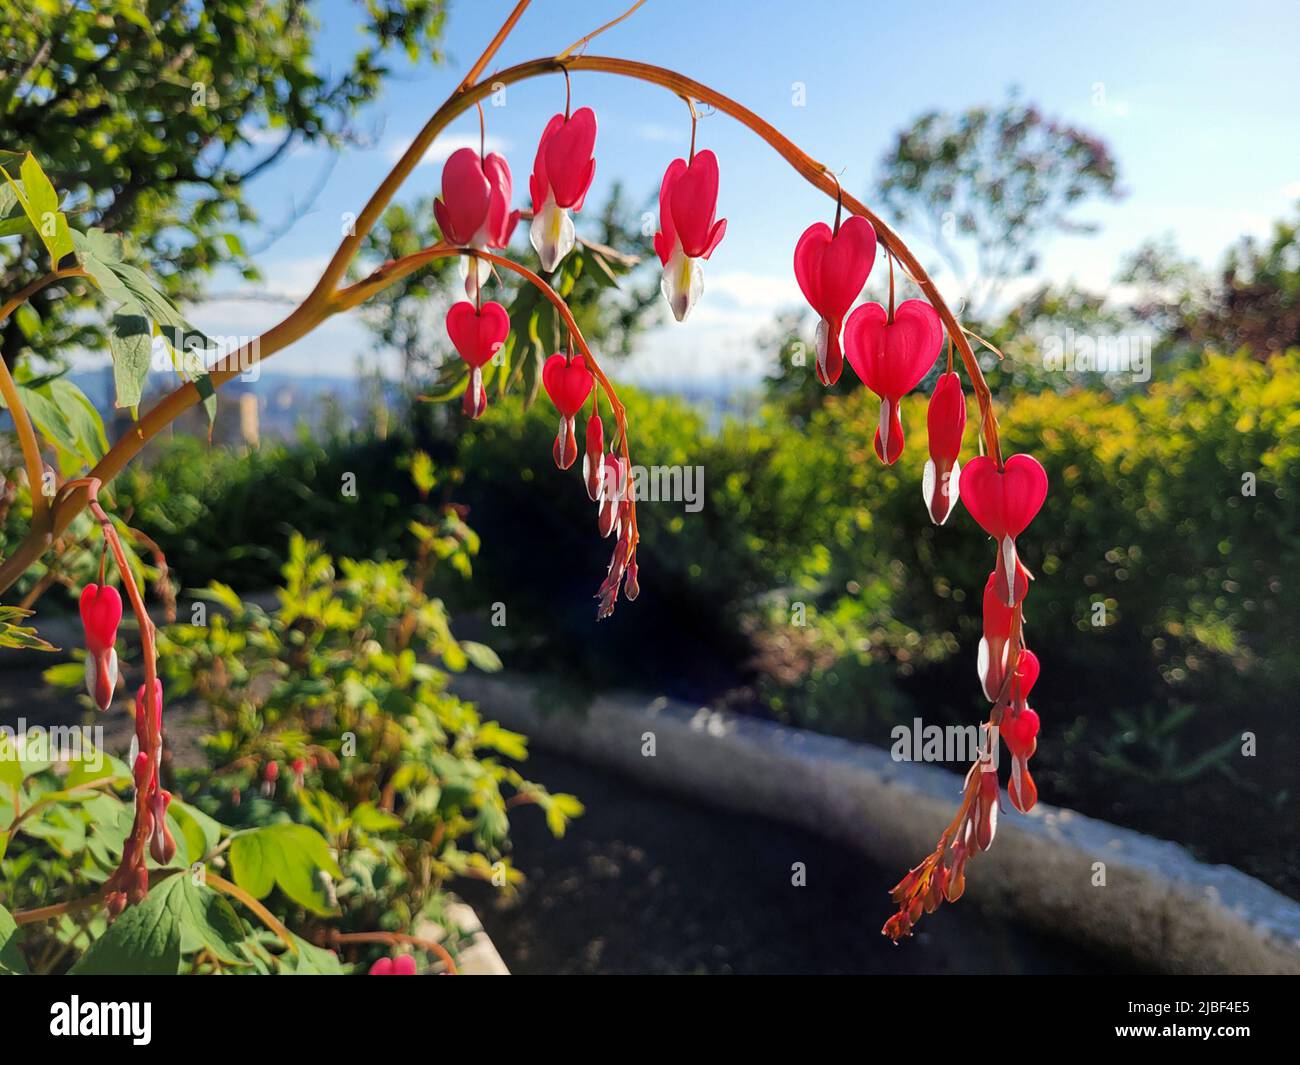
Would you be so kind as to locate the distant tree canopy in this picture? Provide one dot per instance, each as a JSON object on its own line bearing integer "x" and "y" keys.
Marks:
{"x": 1252, "y": 301}
{"x": 989, "y": 184}
{"x": 156, "y": 115}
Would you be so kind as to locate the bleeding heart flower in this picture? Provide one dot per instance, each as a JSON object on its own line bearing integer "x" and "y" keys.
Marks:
{"x": 995, "y": 644}
{"x": 592, "y": 459}
{"x": 101, "y": 613}
{"x": 607, "y": 593}
{"x": 568, "y": 382}
{"x": 613, "y": 492}
{"x": 562, "y": 174}
{"x": 1004, "y": 502}
{"x": 477, "y": 333}
{"x": 402, "y": 965}
{"x": 1020, "y": 733}
{"x": 299, "y": 772}
{"x": 474, "y": 209}
{"x": 1021, "y": 788}
{"x": 891, "y": 358}
{"x": 688, "y": 231}
{"x": 631, "y": 585}
{"x": 946, "y": 421}
{"x": 831, "y": 268}
{"x": 161, "y": 844}
{"x": 986, "y": 809}
{"x": 270, "y": 774}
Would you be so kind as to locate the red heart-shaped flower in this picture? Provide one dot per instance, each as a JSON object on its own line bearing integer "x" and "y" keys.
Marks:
{"x": 568, "y": 383}
{"x": 477, "y": 334}
{"x": 892, "y": 357}
{"x": 1019, "y": 732}
{"x": 1003, "y": 501}
{"x": 569, "y": 166}
{"x": 1027, "y": 669}
{"x": 831, "y": 268}
{"x": 101, "y": 613}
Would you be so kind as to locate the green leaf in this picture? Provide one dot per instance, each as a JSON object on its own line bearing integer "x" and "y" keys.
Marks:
{"x": 370, "y": 818}
{"x": 11, "y": 767}
{"x": 29, "y": 322}
{"x": 310, "y": 960}
{"x": 24, "y": 636}
{"x": 41, "y": 205}
{"x": 12, "y": 962}
{"x": 144, "y": 941}
{"x": 511, "y": 744}
{"x": 481, "y": 656}
{"x": 207, "y": 921}
{"x": 289, "y": 855}
{"x": 131, "y": 341}
{"x": 65, "y": 675}
{"x": 200, "y": 832}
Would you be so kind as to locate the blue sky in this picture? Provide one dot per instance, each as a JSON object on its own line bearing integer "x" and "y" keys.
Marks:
{"x": 1197, "y": 101}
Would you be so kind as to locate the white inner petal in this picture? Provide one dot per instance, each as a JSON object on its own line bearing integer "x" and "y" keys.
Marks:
{"x": 682, "y": 283}
{"x": 552, "y": 234}
{"x": 1009, "y": 564}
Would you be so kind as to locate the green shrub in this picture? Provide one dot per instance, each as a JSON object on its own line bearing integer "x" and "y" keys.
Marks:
{"x": 343, "y": 687}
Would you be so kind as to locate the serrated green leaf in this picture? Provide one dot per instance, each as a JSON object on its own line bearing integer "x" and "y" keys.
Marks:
{"x": 310, "y": 960}
{"x": 144, "y": 941}
{"x": 207, "y": 921}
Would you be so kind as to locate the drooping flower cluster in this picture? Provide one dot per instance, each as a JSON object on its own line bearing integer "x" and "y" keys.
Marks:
{"x": 1003, "y": 501}
{"x": 890, "y": 348}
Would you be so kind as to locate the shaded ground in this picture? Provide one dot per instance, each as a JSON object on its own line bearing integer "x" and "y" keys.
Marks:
{"x": 646, "y": 882}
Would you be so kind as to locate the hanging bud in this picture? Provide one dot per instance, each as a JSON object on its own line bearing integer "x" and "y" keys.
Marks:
{"x": 631, "y": 586}
{"x": 592, "y": 467}
{"x": 946, "y": 422}
{"x": 299, "y": 773}
{"x": 161, "y": 844}
{"x": 565, "y": 448}
{"x": 270, "y": 773}
{"x": 474, "y": 402}
{"x": 986, "y": 808}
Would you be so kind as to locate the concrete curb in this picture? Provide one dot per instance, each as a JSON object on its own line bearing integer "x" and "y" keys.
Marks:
{"x": 1159, "y": 906}
{"x": 479, "y": 957}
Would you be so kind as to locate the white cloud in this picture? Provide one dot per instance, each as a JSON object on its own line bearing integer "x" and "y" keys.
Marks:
{"x": 753, "y": 292}
{"x": 442, "y": 148}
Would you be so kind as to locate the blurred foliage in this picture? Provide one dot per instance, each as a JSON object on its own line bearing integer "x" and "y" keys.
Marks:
{"x": 152, "y": 116}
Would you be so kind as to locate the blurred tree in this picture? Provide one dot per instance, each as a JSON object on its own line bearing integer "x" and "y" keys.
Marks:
{"x": 152, "y": 114}
{"x": 992, "y": 182}
{"x": 1253, "y": 302}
